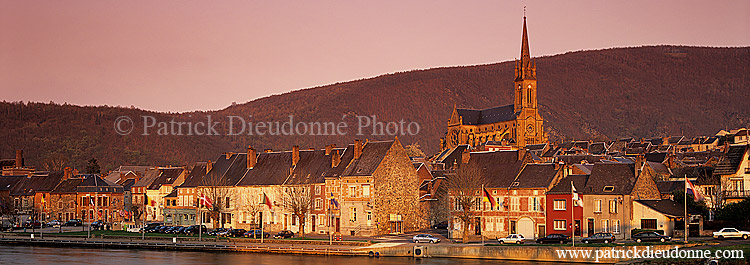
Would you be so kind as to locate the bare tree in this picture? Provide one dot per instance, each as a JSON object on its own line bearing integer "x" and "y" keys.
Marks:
{"x": 464, "y": 191}
{"x": 252, "y": 206}
{"x": 220, "y": 192}
{"x": 297, "y": 199}
{"x": 136, "y": 211}
{"x": 7, "y": 210}
{"x": 55, "y": 162}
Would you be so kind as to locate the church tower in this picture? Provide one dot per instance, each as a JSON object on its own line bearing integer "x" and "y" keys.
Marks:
{"x": 525, "y": 77}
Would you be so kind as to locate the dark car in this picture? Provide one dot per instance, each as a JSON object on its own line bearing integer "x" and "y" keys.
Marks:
{"x": 236, "y": 233}
{"x": 149, "y": 228}
{"x": 98, "y": 225}
{"x": 554, "y": 238}
{"x": 30, "y": 224}
{"x": 599, "y": 238}
{"x": 195, "y": 229}
{"x": 282, "y": 234}
{"x": 650, "y": 236}
{"x": 441, "y": 225}
{"x": 216, "y": 231}
{"x": 175, "y": 229}
{"x": 73, "y": 222}
{"x": 256, "y": 233}
{"x": 162, "y": 229}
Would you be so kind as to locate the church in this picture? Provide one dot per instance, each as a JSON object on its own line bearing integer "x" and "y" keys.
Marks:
{"x": 512, "y": 126}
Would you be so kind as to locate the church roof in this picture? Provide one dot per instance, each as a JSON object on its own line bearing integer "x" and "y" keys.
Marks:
{"x": 487, "y": 116}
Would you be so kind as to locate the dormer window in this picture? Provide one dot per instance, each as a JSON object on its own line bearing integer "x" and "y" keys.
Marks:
{"x": 609, "y": 188}
{"x": 515, "y": 184}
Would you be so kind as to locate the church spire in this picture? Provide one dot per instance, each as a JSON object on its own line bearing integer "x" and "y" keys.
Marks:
{"x": 525, "y": 67}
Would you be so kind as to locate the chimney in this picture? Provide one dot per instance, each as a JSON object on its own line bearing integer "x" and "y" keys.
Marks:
{"x": 465, "y": 156}
{"x": 252, "y": 157}
{"x": 68, "y": 173}
{"x": 267, "y": 151}
{"x": 329, "y": 148}
{"x": 75, "y": 172}
{"x": 335, "y": 159}
{"x": 357, "y": 149}
{"x": 209, "y": 166}
{"x": 19, "y": 158}
{"x": 295, "y": 155}
{"x": 229, "y": 155}
{"x": 521, "y": 153}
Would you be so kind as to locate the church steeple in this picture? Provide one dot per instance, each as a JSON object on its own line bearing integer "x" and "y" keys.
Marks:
{"x": 525, "y": 67}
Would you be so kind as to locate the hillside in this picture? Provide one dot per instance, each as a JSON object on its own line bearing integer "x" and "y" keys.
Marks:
{"x": 603, "y": 94}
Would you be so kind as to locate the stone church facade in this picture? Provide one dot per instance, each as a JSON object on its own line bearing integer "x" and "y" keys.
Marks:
{"x": 515, "y": 125}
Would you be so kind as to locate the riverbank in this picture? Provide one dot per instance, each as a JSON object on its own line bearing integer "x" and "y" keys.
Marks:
{"x": 514, "y": 253}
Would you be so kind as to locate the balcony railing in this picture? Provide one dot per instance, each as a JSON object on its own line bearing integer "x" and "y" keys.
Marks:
{"x": 736, "y": 193}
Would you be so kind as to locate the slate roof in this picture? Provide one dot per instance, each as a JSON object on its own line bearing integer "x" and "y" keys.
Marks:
{"x": 69, "y": 185}
{"x": 270, "y": 169}
{"x": 7, "y": 163}
{"x": 731, "y": 160}
{"x": 499, "y": 168}
{"x": 195, "y": 178}
{"x": 667, "y": 207}
{"x": 576, "y": 159}
{"x": 656, "y": 157}
{"x": 39, "y": 182}
{"x": 703, "y": 175}
{"x": 450, "y": 156}
{"x": 311, "y": 168}
{"x": 487, "y": 116}
{"x": 172, "y": 194}
{"x": 667, "y": 187}
{"x": 346, "y": 157}
{"x": 563, "y": 187}
{"x": 659, "y": 168}
{"x": 372, "y": 154}
{"x": 539, "y": 176}
{"x": 598, "y": 148}
{"x": 7, "y": 182}
{"x": 620, "y": 175}
{"x": 167, "y": 176}
{"x": 675, "y": 139}
{"x": 148, "y": 178}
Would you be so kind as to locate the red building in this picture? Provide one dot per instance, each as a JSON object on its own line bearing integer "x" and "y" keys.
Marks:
{"x": 559, "y": 206}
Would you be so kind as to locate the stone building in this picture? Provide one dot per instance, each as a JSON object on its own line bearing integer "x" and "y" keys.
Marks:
{"x": 517, "y": 125}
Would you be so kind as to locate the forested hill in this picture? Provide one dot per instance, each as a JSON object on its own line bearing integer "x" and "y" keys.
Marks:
{"x": 603, "y": 94}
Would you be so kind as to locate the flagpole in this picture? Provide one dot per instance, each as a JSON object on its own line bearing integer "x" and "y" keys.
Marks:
{"x": 572, "y": 215}
{"x": 481, "y": 219}
{"x": 685, "y": 220}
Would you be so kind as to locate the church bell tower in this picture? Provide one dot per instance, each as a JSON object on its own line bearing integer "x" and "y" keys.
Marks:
{"x": 525, "y": 77}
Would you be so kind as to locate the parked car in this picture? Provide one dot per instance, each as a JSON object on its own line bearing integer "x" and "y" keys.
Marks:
{"x": 236, "y": 233}
{"x": 255, "y": 233}
{"x": 554, "y": 238}
{"x": 98, "y": 225}
{"x": 172, "y": 230}
{"x": 512, "y": 239}
{"x": 195, "y": 229}
{"x": 599, "y": 238}
{"x": 650, "y": 236}
{"x": 30, "y": 224}
{"x": 54, "y": 223}
{"x": 162, "y": 229}
{"x": 74, "y": 222}
{"x": 282, "y": 234}
{"x": 441, "y": 225}
{"x": 149, "y": 228}
{"x": 216, "y": 231}
{"x": 731, "y": 233}
{"x": 425, "y": 238}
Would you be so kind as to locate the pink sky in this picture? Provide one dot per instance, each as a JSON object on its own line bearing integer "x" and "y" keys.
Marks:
{"x": 204, "y": 55}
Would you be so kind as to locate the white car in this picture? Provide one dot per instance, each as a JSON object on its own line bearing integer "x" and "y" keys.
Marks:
{"x": 425, "y": 238}
{"x": 54, "y": 223}
{"x": 731, "y": 233}
{"x": 511, "y": 239}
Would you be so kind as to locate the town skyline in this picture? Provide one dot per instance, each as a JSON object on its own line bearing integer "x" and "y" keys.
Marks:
{"x": 136, "y": 54}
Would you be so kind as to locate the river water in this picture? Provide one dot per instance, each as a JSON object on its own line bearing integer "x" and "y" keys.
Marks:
{"x": 10, "y": 254}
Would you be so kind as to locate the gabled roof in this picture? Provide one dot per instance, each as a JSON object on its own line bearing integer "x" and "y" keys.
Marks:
{"x": 167, "y": 176}
{"x": 311, "y": 168}
{"x": 487, "y": 116}
{"x": 450, "y": 156}
{"x": 500, "y": 168}
{"x": 69, "y": 185}
{"x": 271, "y": 169}
{"x": 372, "y": 154}
{"x": 666, "y": 207}
{"x": 7, "y": 182}
{"x": 620, "y": 176}
{"x": 538, "y": 176}
{"x": 667, "y": 187}
{"x": 195, "y": 178}
{"x": 659, "y": 168}
{"x": 147, "y": 179}
{"x": 598, "y": 148}
{"x": 39, "y": 182}
{"x": 563, "y": 187}
{"x": 656, "y": 157}
{"x": 731, "y": 160}
{"x": 95, "y": 183}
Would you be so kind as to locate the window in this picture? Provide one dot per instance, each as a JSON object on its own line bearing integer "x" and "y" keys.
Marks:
{"x": 352, "y": 191}
{"x": 560, "y": 224}
{"x": 317, "y": 190}
{"x": 612, "y": 206}
{"x": 609, "y": 188}
{"x": 353, "y": 214}
{"x": 322, "y": 220}
{"x": 366, "y": 190}
{"x": 559, "y": 205}
{"x": 616, "y": 226}
{"x": 648, "y": 223}
{"x": 498, "y": 203}
{"x": 514, "y": 204}
{"x": 605, "y": 225}
{"x": 227, "y": 203}
{"x": 369, "y": 216}
{"x": 318, "y": 204}
{"x": 597, "y": 206}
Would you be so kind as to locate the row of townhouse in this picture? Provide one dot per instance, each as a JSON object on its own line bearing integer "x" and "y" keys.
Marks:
{"x": 366, "y": 188}
{"x": 535, "y": 198}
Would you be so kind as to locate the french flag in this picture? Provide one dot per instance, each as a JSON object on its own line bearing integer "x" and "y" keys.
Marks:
{"x": 689, "y": 188}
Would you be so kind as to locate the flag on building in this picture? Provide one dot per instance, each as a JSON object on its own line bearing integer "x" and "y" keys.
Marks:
{"x": 205, "y": 201}
{"x": 689, "y": 188}
{"x": 266, "y": 201}
{"x": 91, "y": 200}
{"x": 334, "y": 203}
{"x": 488, "y": 197}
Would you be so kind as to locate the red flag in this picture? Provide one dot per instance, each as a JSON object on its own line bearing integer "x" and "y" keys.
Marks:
{"x": 489, "y": 198}
{"x": 689, "y": 188}
{"x": 266, "y": 201}
{"x": 205, "y": 201}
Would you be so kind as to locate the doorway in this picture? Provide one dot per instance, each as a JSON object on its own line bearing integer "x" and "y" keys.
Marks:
{"x": 590, "y": 227}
